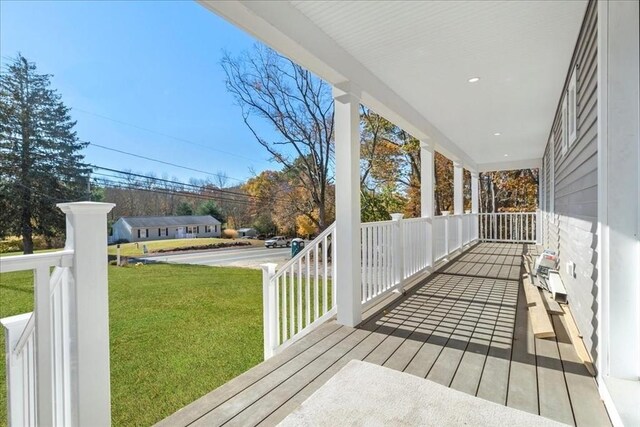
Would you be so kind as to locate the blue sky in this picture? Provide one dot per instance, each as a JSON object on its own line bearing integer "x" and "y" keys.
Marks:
{"x": 154, "y": 65}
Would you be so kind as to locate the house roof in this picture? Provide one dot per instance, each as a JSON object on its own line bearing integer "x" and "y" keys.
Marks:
{"x": 169, "y": 221}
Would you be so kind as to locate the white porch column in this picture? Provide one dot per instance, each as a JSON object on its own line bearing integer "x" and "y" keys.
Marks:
{"x": 426, "y": 194}
{"x": 458, "y": 200}
{"x": 474, "y": 193}
{"x": 618, "y": 192}
{"x": 347, "y": 140}
{"x": 618, "y": 210}
{"x": 89, "y": 350}
{"x": 475, "y": 205}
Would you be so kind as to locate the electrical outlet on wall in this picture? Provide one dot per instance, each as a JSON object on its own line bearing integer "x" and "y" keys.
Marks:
{"x": 571, "y": 268}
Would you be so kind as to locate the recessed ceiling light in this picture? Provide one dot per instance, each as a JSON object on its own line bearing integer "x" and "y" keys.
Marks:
{"x": 506, "y": 155}
{"x": 474, "y": 79}
{"x": 497, "y": 134}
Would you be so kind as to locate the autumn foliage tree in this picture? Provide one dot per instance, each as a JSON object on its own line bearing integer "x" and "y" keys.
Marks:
{"x": 299, "y": 107}
{"x": 389, "y": 169}
{"x": 509, "y": 191}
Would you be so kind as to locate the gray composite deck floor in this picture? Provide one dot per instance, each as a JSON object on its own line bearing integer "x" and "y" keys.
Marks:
{"x": 466, "y": 327}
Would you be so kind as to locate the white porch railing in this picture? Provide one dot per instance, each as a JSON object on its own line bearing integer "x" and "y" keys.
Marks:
{"x": 300, "y": 295}
{"x": 517, "y": 227}
{"x": 379, "y": 258}
{"x": 414, "y": 246}
{"x": 453, "y": 232}
{"x": 48, "y": 397}
{"x": 57, "y": 371}
{"x": 295, "y": 297}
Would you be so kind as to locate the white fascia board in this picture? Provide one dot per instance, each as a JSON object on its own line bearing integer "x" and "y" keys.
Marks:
{"x": 285, "y": 29}
{"x": 510, "y": 165}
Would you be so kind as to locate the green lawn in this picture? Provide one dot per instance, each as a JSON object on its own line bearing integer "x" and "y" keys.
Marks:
{"x": 20, "y": 252}
{"x": 130, "y": 249}
{"x": 177, "y": 332}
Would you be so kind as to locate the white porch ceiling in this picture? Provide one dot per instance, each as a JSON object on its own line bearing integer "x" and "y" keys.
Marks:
{"x": 412, "y": 61}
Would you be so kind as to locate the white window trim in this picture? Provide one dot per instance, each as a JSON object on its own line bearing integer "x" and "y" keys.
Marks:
{"x": 563, "y": 130}
{"x": 572, "y": 111}
{"x": 552, "y": 171}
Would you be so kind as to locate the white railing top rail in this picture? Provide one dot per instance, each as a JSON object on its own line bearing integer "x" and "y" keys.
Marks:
{"x": 304, "y": 251}
{"x": 376, "y": 223}
{"x": 419, "y": 219}
{"x": 63, "y": 258}
{"x": 507, "y": 213}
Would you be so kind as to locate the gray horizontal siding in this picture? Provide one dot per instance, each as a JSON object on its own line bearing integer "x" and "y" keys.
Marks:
{"x": 572, "y": 232}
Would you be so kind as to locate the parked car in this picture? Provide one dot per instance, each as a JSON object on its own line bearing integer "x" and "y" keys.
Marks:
{"x": 277, "y": 241}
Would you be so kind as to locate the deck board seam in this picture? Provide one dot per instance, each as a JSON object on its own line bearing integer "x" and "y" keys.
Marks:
{"x": 278, "y": 384}
{"x": 486, "y": 354}
{"x": 564, "y": 374}
{"x": 484, "y": 306}
{"x": 370, "y": 332}
{"x": 266, "y": 375}
{"x": 420, "y": 324}
{"x": 451, "y": 333}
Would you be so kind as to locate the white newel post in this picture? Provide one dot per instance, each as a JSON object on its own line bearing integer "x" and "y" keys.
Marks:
{"x": 269, "y": 309}
{"x": 89, "y": 319}
{"x": 347, "y": 260}
{"x": 398, "y": 247}
{"x": 458, "y": 201}
{"x": 426, "y": 194}
{"x": 475, "y": 205}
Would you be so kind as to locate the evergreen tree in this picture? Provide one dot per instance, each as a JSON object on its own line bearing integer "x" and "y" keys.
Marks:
{"x": 211, "y": 208}
{"x": 40, "y": 160}
{"x": 184, "y": 209}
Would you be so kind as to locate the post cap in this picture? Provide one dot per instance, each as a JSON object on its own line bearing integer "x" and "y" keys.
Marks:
{"x": 82, "y": 208}
{"x": 397, "y": 216}
{"x": 269, "y": 266}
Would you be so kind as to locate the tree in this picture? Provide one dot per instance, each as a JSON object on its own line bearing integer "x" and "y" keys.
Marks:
{"x": 509, "y": 191}
{"x": 299, "y": 106}
{"x": 389, "y": 169}
{"x": 211, "y": 208}
{"x": 184, "y": 209}
{"x": 40, "y": 160}
{"x": 443, "y": 192}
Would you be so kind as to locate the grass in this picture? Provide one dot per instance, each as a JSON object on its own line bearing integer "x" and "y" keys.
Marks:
{"x": 130, "y": 249}
{"x": 20, "y": 252}
{"x": 177, "y": 332}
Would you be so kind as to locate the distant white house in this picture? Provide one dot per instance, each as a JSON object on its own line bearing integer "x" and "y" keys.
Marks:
{"x": 142, "y": 228}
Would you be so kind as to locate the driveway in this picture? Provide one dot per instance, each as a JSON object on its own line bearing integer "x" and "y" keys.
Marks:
{"x": 246, "y": 257}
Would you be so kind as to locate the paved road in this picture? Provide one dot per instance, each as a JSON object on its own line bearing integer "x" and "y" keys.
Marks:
{"x": 246, "y": 257}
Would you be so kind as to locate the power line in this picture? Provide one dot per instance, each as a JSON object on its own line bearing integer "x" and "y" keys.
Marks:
{"x": 163, "y": 162}
{"x": 161, "y": 133}
{"x": 120, "y": 186}
{"x": 168, "y": 181}
{"x": 198, "y": 187}
{"x": 113, "y": 179}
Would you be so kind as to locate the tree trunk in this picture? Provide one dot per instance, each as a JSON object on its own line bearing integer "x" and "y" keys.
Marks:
{"x": 493, "y": 195}
{"x": 322, "y": 217}
{"x": 27, "y": 232}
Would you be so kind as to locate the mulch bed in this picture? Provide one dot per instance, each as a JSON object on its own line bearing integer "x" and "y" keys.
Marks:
{"x": 202, "y": 247}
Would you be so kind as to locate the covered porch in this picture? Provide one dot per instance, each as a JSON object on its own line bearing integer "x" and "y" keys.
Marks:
{"x": 465, "y": 326}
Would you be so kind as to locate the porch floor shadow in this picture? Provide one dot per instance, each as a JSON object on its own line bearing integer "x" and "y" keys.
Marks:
{"x": 465, "y": 326}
